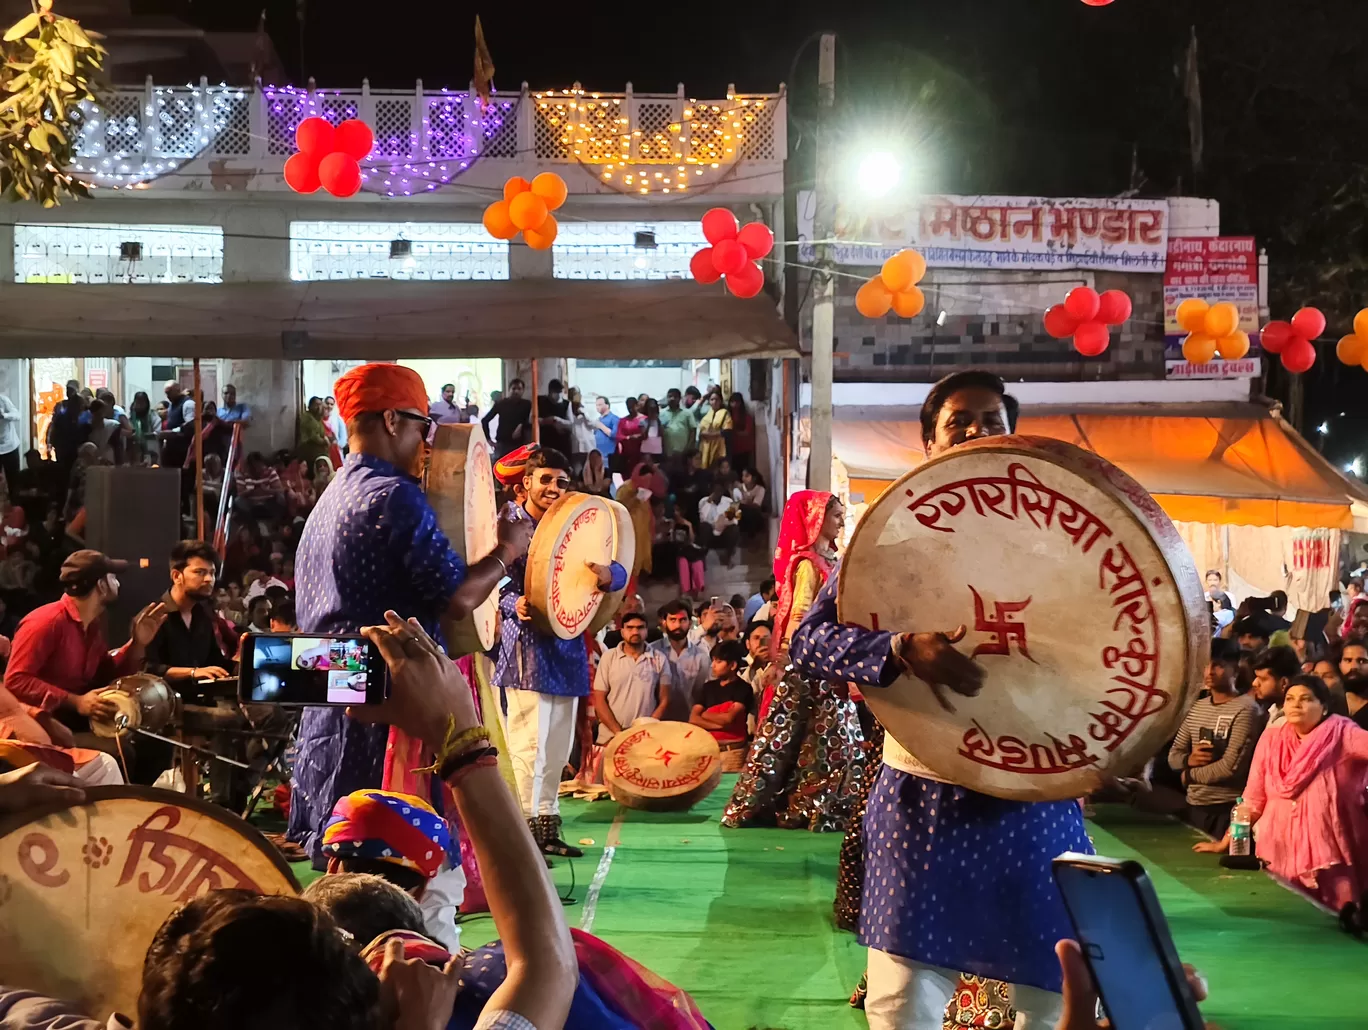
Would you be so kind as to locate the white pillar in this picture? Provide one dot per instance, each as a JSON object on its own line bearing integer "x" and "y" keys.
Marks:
{"x": 271, "y": 389}
{"x": 823, "y": 328}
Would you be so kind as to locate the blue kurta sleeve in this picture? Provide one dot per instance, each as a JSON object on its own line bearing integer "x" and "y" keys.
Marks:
{"x": 434, "y": 569}
{"x": 824, "y": 648}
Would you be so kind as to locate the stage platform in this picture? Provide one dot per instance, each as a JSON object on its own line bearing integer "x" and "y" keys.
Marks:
{"x": 742, "y": 919}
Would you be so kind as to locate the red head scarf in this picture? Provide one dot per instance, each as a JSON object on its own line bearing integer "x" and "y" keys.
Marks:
{"x": 379, "y": 387}
{"x": 798, "y": 533}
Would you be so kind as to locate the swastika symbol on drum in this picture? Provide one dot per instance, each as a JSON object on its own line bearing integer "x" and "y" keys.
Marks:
{"x": 1004, "y": 629}
{"x": 665, "y": 756}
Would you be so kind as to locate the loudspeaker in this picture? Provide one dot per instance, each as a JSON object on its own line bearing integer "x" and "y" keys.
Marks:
{"x": 133, "y": 513}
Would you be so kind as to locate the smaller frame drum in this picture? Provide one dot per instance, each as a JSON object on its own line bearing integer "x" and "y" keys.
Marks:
{"x": 625, "y": 555}
{"x": 662, "y": 766}
{"x": 460, "y": 488}
{"x": 1081, "y": 603}
{"x": 561, "y": 588}
{"x": 83, "y": 889}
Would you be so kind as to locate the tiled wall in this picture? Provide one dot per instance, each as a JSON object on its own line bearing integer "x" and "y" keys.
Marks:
{"x": 992, "y": 319}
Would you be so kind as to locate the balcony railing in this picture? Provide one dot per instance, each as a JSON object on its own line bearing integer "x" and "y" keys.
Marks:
{"x": 635, "y": 142}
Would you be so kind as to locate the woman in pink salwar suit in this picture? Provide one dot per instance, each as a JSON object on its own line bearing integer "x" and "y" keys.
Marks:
{"x": 1306, "y": 799}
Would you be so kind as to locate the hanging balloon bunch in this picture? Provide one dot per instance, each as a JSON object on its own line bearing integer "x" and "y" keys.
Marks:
{"x": 526, "y": 208}
{"x": 734, "y": 252}
{"x": 329, "y": 157}
{"x": 1212, "y": 329}
{"x": 1353, "y": 349}
{"x": 1087, "y": 316}
{"x": 894, "y": 288}
{"x": 1292, "y": 341}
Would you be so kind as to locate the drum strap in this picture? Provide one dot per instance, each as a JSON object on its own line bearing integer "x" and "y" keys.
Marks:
{"x": 897, "y": 756}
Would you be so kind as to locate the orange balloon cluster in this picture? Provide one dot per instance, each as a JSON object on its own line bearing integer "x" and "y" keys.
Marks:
{"x": 894, "y": 288}
{"x": 1353, "y": 349}
{"x": 1212, "y": 329}
{"x": 526, "y": 208}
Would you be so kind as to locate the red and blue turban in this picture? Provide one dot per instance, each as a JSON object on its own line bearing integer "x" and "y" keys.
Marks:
{"x": 385, "y": 826}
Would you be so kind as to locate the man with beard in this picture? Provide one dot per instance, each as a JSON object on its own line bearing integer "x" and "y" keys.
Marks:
{"x": 921, "y": 832}
{"x": 372, "y": 544}
{"x": 1353, "y": 667}
{"x": 187, "y": 648}
{"x": 690, "y": 662}
{"x": 543, "y": 677}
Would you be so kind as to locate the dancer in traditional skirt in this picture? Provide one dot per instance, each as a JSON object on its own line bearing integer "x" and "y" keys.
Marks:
{"x": 806, "y": 766}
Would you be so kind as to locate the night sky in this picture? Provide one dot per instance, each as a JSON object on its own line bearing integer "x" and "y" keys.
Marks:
{"x": 1048, "y": 97}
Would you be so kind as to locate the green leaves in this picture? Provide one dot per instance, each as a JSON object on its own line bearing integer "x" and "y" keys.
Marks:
{"x": 49, "y": 64}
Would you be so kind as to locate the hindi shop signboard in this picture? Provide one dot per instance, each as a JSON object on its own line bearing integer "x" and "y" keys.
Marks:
{"x": 1212, "y": 268}
{"x": 1001, "y": 232}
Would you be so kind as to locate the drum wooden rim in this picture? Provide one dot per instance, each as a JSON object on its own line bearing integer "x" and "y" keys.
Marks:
{"x": 625, "y": 538}
{"x": 1142, "y": 516}
{"x": 477, "y": 631}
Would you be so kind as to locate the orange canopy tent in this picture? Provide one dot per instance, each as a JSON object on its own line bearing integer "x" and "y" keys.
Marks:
{"x": 1231, "y": 464}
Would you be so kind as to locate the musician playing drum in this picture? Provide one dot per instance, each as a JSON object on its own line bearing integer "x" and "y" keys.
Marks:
{"x": 954, "y": 880}
{"x": 543, "y": 676}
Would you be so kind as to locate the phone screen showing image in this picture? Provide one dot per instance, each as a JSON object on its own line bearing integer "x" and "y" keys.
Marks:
{"x": 311, "y": 670}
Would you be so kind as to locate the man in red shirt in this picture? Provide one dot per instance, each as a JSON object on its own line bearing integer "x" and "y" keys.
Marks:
{"x": 59, "y": 660}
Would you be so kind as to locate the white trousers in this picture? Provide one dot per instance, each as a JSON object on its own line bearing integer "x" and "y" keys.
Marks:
{"x": 541, "y": 731}
{"x": 908, "y": 995}
{"x": 440, "y": 903}
{"x": 101, "y": 771}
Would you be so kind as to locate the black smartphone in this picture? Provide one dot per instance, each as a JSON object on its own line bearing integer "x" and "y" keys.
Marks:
{"x": 1125, "y": 940}
{"x": 310, "y": 669}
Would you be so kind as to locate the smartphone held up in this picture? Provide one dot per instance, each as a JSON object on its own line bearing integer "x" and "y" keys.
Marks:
{"x": 308, "y": 669}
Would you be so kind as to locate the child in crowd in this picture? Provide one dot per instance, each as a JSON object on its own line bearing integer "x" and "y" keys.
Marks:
{"x": 725, "y": 700}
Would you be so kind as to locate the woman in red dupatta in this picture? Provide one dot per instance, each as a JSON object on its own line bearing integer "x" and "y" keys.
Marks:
{"x": 806, "y": 765}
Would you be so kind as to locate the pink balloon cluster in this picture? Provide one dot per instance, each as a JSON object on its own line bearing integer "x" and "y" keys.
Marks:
{"x": 1293, "y": 340}
{"x": 734, "y": 253}
{"x": 1085, "y": 315}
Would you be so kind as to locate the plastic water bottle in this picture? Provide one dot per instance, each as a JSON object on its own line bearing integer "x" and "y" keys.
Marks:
{"x": 1241, "y": 833}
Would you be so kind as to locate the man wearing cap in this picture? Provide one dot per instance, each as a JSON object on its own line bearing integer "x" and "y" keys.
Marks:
{"x": 59, "y": 660}
{"x": 371, "y": 544}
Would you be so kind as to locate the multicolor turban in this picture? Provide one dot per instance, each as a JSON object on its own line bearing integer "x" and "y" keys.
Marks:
{"x": 378, "y": 387}
{"x": 385, "y": 826}
{"x": 509, "y": 469}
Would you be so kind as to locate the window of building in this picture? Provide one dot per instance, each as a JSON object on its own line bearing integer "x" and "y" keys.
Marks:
{"x": 437, "y": 251}
{"x": 118, "y": 253}
{"x": 626, "y": 250}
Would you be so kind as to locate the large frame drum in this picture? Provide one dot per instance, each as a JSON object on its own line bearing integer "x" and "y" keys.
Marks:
{"x": 1081, "y": 602}
{"x": 661, "y": 766}
{"x": 460, "y": 488}
{"x": 561, "y": 588}
{"x": 83, "y": 889}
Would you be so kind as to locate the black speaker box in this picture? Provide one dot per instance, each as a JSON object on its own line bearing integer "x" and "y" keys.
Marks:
{"x": 133, "y": 513}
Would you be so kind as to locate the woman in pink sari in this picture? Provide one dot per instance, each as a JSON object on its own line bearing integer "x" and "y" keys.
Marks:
{"x": 1306, "y": 800}
{"x": 805, "y": 769}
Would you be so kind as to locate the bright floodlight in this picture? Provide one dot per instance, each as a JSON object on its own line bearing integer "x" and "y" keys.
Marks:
{"x": 1355, "y": 466}
{"x": 1323, "y": 428}
{"x": 879, "y": 173}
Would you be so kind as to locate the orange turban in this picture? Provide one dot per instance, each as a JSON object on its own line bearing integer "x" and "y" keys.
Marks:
{"x": 379, "y": 386}
{"x": 509, "y": 469}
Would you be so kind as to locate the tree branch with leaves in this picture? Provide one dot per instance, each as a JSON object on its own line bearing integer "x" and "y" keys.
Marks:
{"x": 51, "y": 65}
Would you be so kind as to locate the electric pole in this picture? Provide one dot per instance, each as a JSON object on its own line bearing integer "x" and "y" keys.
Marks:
{"x": 823, "y": 226}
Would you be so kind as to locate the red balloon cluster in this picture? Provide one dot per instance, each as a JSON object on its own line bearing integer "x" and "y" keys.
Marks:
{"x": 734, "y": 253}
{"x": 329, "y": 157}
{"x": 1292, "y": 341}
{"x": 1086, "y": 315}
{"x": 526, "y": 208}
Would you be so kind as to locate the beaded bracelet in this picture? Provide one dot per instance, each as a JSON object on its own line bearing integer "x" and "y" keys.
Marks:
{"x": 485, "y": 762}
{"x": 458, "y": 762}
{"x": 456, "y": 743}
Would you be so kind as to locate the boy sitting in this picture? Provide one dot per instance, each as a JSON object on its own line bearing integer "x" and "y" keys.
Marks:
{"x": 724, "y": 701}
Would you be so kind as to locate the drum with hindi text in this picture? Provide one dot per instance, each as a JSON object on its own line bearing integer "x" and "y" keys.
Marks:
{"x": 1081, "y": 604}
{"x": 662, "y": 766}
{"x": 576, "y": 531}
{"x": 84, "y": 888}
{"x": 624, "y": 553}
{"x": 460, "y": 488}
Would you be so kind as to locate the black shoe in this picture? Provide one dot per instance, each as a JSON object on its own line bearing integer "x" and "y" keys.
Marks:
{"x": 550, "y": 839}
{"x": 1350, "y": 920}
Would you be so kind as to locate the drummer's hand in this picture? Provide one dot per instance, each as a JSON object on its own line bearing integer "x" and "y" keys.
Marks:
{"x": 38, "y": 784}
{"x": 426, "y": 688}
{"x": 147, "y": 622}
{"x": 604, "y": 574}
{"x": 1080, "y": 993}
{"x": 94, "y": 705}
{"x": 524, "y": 608}
{"x": 515, "y": 537}
{"x": 932, "y": 658}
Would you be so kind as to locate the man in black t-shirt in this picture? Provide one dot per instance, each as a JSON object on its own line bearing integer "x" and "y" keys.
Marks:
{"x": 514, "y": 413}
{"x": 553, "y": 412}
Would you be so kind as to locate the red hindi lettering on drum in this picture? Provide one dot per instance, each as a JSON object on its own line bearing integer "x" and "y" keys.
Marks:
{"x": 688, "y": 777}
{"x": 572, "y": 619}
{"x": 1137, "y": 695}
{"x": 1012, "y": 754}
{"x": 203, "y": 867}
{"x": 38, "y": 858}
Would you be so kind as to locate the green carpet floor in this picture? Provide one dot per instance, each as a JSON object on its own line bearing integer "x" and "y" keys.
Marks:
{"x": 742, "y": 920}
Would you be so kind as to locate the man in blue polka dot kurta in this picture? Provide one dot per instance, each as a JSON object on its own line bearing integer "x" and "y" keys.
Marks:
{"x": 372, "y": 544}
{"x": 954, "y": 880}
